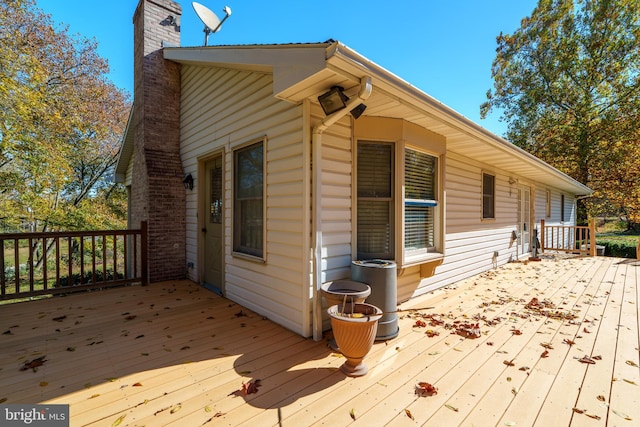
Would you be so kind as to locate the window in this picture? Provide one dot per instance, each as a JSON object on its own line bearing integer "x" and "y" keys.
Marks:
{"x": 548, "y": 211}
{"x": 378, "y": 227}
{"x": 375, "y": 201}
{"x": 562, "y": 207}
{"x": 419, "y": 202}
{"x": 488, "y": 196}
{"x": 248, "y": 215}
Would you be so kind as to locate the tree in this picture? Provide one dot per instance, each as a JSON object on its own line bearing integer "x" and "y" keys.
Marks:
{"x": 568, "y": 85}
{"x": 61, "y": 121}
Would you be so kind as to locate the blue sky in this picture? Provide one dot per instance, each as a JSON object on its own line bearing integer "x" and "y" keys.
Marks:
{"x": 443, "y": 47}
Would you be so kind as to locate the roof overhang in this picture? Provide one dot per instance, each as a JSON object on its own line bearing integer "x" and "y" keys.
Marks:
{"x": 304, "y": 71}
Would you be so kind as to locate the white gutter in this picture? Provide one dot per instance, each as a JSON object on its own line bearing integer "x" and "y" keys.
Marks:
{"x": 316, "y": 140}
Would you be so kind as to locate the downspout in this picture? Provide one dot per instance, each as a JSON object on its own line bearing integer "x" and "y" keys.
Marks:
{"x": 316, "y": 140}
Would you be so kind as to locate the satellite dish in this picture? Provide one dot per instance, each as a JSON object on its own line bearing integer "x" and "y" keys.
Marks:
{"x": 211, "y": 21}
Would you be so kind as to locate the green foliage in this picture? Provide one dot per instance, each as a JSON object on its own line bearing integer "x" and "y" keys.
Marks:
{"x": 60, "y": 126}
{"x": 568, "y": 84}
{"x": 620, "y": 245}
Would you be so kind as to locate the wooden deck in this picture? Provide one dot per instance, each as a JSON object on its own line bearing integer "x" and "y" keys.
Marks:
{"x": 175, "y": 354}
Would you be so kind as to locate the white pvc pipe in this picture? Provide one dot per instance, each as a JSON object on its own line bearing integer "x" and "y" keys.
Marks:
{"x": 316, "y": 140}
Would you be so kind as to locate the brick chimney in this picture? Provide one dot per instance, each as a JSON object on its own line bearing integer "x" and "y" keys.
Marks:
{"x": 157, "y": 191}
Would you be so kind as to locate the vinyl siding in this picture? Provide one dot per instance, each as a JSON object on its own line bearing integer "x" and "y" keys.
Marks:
{"x": 222, "y": 110}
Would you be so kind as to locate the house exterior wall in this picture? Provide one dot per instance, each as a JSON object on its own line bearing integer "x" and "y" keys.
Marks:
{"x": 224, "y": 109}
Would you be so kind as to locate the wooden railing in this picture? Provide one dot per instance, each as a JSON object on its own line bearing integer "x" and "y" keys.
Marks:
{"x": 580, "y": 239}
{"x": 61, "y": 262}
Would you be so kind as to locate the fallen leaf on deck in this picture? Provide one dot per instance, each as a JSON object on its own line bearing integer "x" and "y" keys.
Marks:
{"x": 43, "y": 383}
{"x": 516, "y": 332}
{"x": 136, "y": 385}
{"x": 431, "y": 333}
{"x": 59, "y": 319}
{"x": 352, "y": 414}
{"x": 33, "y": 364}
{"x": 175, "y": 409}
{"x": 425, "y": 389}
{"x": 7, "y": 332}
{"x": 119, "y": 420}
{"x": 545, "y": 354}
{"x": 4, "y": 399}
{"x": 587, "y": 359}
{"x": 629, "y": 381}
{"x": 578, "y": 411}
{"x": 595, "y": 417}
{"x": 419, "y": 324}
{"x": 250, "y": 387}
{"x": 408, "y": 412}
{"x": 508, "y": 362}
{"x": 621, "y": 414}
{"x": 568, "y": 341}
{"x": 632, "y": 363}
{"x": 601, "y": 398}
{"x": 597, "y": 357}
{"x": 131, "y": 317}
{"x": 547, "y": 345}
{"x": 93, "y": 396}
{"x": 241, "y": 314}
{"x": 453, "y": 408}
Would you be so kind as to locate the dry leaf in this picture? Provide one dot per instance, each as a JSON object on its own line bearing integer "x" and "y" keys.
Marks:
{"x": 508, "y": 362}
{"x": 352, "y": 414}
{"x": 33, "y": 364}
{"x": 595, "y": 417}
{"x": 629, "y": 381}
{"x": 94, "y": 396}
{"x": 578, "y": 411}
{"x": 453, "y": 408}
{"x": 137, "y": 385}
{"x": 408, "y": 412}
{"x": 250, "y": 387}
{"x": 426, "y": 389}
{"x": 43, "y": 383}
{"x": 587, "y": 359}
{"x": 119, "y": 420}
{"x": 545, "y": 354}
{"x": 632, "y": 363}
{"x": 207, "y": 408}
{"x": 601, "y": 398}
{"x": 175, "y": 409}
{"x": 568, "y": 341}
{"x": 621, "y": 414}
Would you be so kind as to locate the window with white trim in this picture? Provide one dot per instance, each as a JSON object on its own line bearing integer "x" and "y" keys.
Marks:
{"x": 411, "y": 237}
{"x": 248, "y": 203}
{"x": 420, "y": 201}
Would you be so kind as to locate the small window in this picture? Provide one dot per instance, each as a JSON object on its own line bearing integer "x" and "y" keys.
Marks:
{"x": 562, "y": 208}
{"x": 548, "y": 206}
{"x": 248, "y": 203}
{"x": 488, "y": 196}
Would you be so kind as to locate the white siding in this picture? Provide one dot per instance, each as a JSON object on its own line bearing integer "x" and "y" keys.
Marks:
{"x": 223, "y": 109}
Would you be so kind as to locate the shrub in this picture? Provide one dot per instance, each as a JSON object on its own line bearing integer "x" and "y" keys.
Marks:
{"x": 622, "y": 248}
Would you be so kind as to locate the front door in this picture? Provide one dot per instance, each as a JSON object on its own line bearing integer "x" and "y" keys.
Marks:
{"x": 212, "y": 227}
{"x": 524, "y": 218}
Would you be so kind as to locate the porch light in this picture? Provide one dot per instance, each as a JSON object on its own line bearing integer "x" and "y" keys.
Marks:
{"x": 334, "y": 100}
{"x": 357, "y": 112}
{"x": 188, "y": 182}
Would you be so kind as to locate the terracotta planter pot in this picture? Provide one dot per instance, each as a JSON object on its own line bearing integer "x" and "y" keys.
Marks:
{"x": 354, "y": 335}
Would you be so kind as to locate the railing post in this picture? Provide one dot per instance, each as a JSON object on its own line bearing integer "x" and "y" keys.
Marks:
{"x": 143, "y": 254}
{"x": 592, "y": 237}
{"x": 542, "y": 233}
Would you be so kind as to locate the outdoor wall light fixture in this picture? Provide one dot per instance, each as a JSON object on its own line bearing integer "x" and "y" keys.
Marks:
{"x": 188, "y": 182}
{"x": 334, "y": 100}
{"x": 357, "y": 112}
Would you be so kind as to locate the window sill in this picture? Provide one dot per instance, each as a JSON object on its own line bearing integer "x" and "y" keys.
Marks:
{"x": 422, "y": 259}
{"x": 248, "y": 257}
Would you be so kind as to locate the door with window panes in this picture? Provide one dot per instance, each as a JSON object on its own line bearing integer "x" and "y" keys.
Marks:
{"x": 213, "y": 250}
{"x": 524, "y": 218}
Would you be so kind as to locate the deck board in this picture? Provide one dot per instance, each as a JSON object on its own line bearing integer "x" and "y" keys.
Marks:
{"x": 173, "y": 353}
